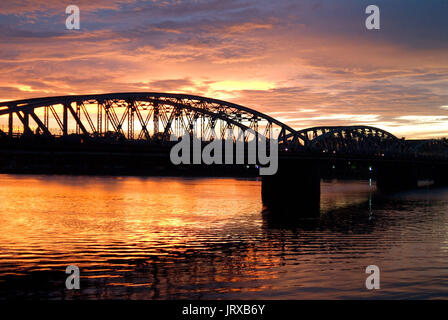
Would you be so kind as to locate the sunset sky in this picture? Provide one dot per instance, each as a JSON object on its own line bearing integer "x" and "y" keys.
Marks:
{"x": 306, "y": 63}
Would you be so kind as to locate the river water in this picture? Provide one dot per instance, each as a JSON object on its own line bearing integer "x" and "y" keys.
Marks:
{"x": 175, "y": 238}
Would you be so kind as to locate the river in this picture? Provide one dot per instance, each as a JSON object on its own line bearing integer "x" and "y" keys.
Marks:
{"x": 211, "y": 238}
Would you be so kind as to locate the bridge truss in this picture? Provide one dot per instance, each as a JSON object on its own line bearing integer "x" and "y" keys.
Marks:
{"x": 157, "y": 116}
{"x": 138, "y": 116}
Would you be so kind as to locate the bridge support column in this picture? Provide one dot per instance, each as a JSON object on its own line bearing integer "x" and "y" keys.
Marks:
{"x": 25, "y": 119}
{"x": 294, "y": 190}
{"x": 156, "y": 119}
{"x": 392, "y": 177}
{"x": 10, "y": 124}
{"x": 65, "y": 121}
{"x": 441, "y": 176}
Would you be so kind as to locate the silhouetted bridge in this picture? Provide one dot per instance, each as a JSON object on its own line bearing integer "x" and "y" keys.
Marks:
{"x": 151, "y": 118}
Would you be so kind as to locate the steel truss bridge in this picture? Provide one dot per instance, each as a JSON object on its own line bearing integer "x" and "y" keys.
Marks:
{"x": 157, "y": 116}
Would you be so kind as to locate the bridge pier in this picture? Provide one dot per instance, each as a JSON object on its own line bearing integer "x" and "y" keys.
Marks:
{"x": 392, "y": 177}
{"x": 441, "y": 176}
{"x": 294, "y": 190}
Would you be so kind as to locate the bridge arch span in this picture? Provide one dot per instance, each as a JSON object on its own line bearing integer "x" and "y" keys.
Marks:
{"x": 351, "y": 139}
{"x": 434, "y": 148}
{"x": 140, "y": 115}
{"x": 156, "y": 116}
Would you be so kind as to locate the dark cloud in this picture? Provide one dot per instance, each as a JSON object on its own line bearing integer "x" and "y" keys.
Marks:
{"x": 170, "y": 85}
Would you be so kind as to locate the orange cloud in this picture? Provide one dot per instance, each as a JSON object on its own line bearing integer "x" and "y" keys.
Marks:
{"x": 278, "y": 59}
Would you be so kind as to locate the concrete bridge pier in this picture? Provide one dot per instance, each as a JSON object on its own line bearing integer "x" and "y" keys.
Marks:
{"x": 391, "y": 177}
{"x": 294, "y": 190}
{"x": 441, "y": 176}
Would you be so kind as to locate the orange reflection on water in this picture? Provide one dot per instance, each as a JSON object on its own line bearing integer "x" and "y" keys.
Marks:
{"x": 77, "y": 218}
{"x": 162, "y": 238}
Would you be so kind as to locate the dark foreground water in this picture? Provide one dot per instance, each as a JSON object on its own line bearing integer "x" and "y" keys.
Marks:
{"x": 170, "y": 238}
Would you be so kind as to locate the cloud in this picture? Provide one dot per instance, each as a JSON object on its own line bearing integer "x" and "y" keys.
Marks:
{"x": 170, "y": 85}
{"x": 424, "y": 119}
{"x": 308, "y": 63}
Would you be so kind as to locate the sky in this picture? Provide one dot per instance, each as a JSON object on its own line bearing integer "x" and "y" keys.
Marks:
{"x": 306, "y": 63}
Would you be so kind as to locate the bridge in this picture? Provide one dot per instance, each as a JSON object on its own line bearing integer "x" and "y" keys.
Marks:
{"x": 151, "y": 118}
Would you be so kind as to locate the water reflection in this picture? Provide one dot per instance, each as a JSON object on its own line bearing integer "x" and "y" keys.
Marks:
{"x": 157, "y": 238}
